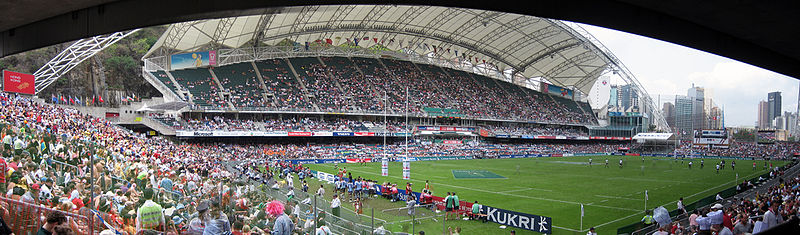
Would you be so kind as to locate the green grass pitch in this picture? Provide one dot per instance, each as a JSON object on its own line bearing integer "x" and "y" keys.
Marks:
{"x": 556, "y": 187}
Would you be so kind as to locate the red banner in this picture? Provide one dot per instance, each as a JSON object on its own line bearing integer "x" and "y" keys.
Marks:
{"x": 364, "y": 134}
{"x": 112, "y": 115}
{"x": 462, "y": 205}
{"x": 19, "y": 82}
{"x": 484, "y": 133}
{"x": 300, "y": 133}
{"x": 358, "y": 160}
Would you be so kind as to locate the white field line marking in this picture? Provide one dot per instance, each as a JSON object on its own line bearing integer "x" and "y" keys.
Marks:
{"x": 526, "y": 189}
{"x": 540, "y": 189}
{"x": 723, "y": 184}
{"x": 516, "y": 190}
{"x": 624, "y": 198}
{"x": 568, "y": 229}
{"x": 640, "y": 179}
{"x": 508, "y": 194}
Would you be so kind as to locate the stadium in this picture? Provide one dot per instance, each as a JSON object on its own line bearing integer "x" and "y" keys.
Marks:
{"x": 369, "y": 119}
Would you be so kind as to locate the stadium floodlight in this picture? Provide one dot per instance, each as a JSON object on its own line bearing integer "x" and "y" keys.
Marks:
{"x": 73, "y": 56}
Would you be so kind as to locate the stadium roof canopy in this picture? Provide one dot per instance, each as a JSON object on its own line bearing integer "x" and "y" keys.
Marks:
{"x": 529, "y": 46}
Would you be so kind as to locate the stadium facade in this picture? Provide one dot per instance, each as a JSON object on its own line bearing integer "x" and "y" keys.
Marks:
{"x": 526, "y": 58}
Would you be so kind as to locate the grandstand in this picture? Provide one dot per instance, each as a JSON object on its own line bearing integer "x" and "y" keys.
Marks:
{"x": 315, "y": 88}
{"x": 282, "y": 86}
{"x": 285, "y": 102}
{"x": 241, "y": 85}
{"x": 324, "y": 68}
{"x": 202, "y": 87}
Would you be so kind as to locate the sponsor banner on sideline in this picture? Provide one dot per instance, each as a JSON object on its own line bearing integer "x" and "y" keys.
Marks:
{"x": 520, "y": 220}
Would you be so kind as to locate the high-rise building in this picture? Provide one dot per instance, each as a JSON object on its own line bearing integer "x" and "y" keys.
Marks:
{"x": 623, "y": 98}
{"x": 669, "y": 113}
{"x": 763, "y": 115}
{"x": 697, "y": 94}
{"x": 683, "y": 116}
{"x": 714, "y": 118}
{"x": 774, "y": 100}
{"x": 613, "y": 98}
{"x": 791, "y": 123}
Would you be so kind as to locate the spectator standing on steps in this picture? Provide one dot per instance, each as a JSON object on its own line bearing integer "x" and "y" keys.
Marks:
{"x": 335, "y": 204}
{"x": 681, "y": 207}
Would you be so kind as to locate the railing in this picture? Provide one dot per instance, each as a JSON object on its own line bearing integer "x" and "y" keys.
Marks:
{"x": 676, "y": 215}
{"x": 26, "y": 218}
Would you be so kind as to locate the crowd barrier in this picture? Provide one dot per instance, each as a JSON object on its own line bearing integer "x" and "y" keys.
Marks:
{"x": 519, "y": 220}
{"x": 27, "y": 218}
{"x": 703, "y": 202}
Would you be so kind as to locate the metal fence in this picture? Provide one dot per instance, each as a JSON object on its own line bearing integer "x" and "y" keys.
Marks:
{"x": 676, "y": 215}
{"x": 26, "y": 218}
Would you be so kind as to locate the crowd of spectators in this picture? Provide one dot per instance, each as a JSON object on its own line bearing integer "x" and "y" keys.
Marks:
{"x": 365, "y": 84}
{"x": 538, "y": 130}
{"x": 282, "y": 87}
{"x": 342, "y": 124}
{"x": 748, "y": 215}
{"x": 315, "y": 76}
{"x": 288, "y": 124}
{"x": 242, "y": 85}
{"x": 743, "y": 149}
{"x": 354, "y": 85}
{"x": 51, "y": 155}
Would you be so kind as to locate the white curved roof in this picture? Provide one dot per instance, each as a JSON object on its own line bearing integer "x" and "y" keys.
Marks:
{"x": 531, "y": 46}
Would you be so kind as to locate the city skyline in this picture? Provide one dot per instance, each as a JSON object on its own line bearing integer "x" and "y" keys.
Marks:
{"x": 666, "y": 70}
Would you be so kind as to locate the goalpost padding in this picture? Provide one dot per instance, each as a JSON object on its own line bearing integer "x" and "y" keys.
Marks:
{"x": 475, "y": 174}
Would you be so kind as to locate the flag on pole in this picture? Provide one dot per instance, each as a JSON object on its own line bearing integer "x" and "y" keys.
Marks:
{"x": 645, "y": 195}
{"x": 581, "y": 209}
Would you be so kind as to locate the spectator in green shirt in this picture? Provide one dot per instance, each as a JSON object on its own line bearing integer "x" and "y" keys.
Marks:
{"x": 476, "y": 212}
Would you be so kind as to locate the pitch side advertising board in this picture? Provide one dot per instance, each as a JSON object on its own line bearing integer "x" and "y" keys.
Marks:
{"x": 19, "y": 82}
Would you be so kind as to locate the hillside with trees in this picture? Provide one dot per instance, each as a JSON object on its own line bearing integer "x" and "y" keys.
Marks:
{"x": 112, "y": 73}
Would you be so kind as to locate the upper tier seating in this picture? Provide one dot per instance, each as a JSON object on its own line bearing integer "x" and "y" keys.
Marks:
{"x": 241, "y": 82}
{"x": 282, "y": 85}
{"x": 201, "y": 85}
{"x": 360, "y": 85}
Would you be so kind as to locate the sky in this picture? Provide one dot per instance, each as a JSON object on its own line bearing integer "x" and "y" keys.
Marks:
{"x": 668, "y": 69}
